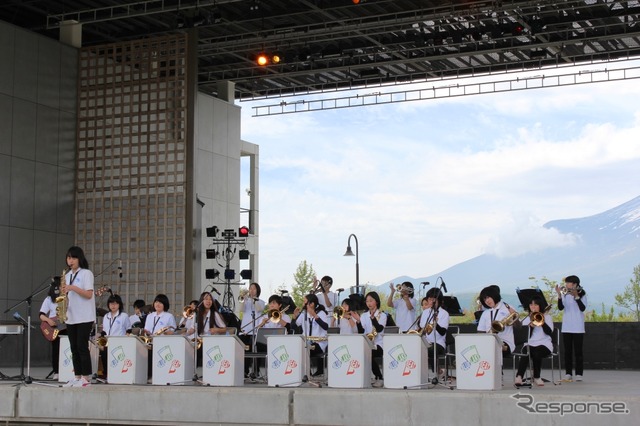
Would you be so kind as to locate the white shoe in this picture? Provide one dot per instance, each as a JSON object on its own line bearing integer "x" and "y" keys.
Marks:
{"x": 578, "y": 378}
{"x": 70, "y": 383}
{"x": 538, "y": 382}
{"x": 518, "y": 381}
{"x": 55, "y": 377}
{"x": 378, "y": 384}
{"x": 81, "y": 383}
{"x": 568, "y": 378}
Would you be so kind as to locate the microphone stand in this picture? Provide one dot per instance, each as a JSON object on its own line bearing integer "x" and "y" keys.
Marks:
{"x": 27, "y": 379}
{"x": 307, "y": 347}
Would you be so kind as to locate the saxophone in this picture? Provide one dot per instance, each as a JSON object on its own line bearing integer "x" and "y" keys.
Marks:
{"x": 61, "y": 309}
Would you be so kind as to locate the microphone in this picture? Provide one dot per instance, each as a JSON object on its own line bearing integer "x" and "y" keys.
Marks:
{"x": 215, "y": 291}
{"x": 21, "y": 320}
{"x": 340, "y": 290}
{"x": 120, "y": 268}
{"x": 444, "y": 286}
{"x": 425, "y": 283}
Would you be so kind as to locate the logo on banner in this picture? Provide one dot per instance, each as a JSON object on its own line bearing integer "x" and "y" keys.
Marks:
{"x": 165, "y": 355}
{"x": 471, "y": 358}
{"x": 118, "y": 355}
{"x": 280, "y": 358}
{"x": 215, "y": 355}
{"x": 343, "y": 356}
{"x": 399, "y": 356}
{"x": 67, "y": 357}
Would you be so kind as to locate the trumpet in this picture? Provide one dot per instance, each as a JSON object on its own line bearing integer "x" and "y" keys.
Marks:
{"x": 244, "y": 292}
{"x": 338, "y": 312}
{"x": 499, "y": 326}
{"x": 401, "y": 288}
{"x": 564, "y": 290}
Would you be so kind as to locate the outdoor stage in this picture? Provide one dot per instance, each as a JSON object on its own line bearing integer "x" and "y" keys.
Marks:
{"x": 257, "y": 404}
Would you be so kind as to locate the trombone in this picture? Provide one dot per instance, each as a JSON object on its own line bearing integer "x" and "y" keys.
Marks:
{"x": 243, "y": 295}
{"x": 537, "y": 318}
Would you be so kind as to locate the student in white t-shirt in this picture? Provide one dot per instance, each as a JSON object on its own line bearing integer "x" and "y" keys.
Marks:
{"x": 574, "y": 305}
{"x": 539, "y": 343}
{"x": 436, "y": 317}
{"x": 160, "y": 321}
{"x": 81, "y": 314}
{"x": 114, "y": 323}
{"x": 496, "y": 310}
{"x": 405, "y": 306}
{"x": 349, "y": 320}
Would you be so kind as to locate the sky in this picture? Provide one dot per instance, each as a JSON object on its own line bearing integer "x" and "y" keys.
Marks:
{"x": 426, "y": 185}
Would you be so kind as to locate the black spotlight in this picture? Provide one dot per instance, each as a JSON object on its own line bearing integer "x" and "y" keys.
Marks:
{"x": 243, "y": 254}
{"x": 229, "y": 274}
{"x": 212, "y": 253}
{"x": 212, "y": 232}
{"x": 211, "y": 274}
{"x": 246, "y": 274}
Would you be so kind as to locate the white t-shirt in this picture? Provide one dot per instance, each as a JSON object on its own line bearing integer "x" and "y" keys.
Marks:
{"x": 498, "y": 313}
{"x": 538, "y": 337}
{"x": 247, "y": 307}
{"x": 365, "y": 320}
{"x": 573, "y": 317}
{"x": 332, "y": 300}
{"x": 286, "y": 318}
{"x": 115, "y": 325}
{"x": 134, "y": 319}
{"x": 79, "y": 309}
{"x": 443, "y": 321}
{"x": 347, "y": 328}
{"x": 49, "y": 307}
{"x": 155, "y": 322}
{"x": 404, "y": 316}
{"x": 315, "y": 329}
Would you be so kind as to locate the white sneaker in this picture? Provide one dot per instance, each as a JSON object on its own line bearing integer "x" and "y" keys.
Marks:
{"x": 70, "y": 383}
{"x": 578, "y": 378}
{"x": 378, "y": 384}
{"x": 568, "y": 378}
{"x": 518, "y": 381}
{"x": 538, "y": 382}
{"x": 55, "y": 377}
{"x": 81, "y": 383}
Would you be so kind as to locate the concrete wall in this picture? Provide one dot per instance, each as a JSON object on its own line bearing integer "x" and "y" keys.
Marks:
{"x": 37, "y": 161}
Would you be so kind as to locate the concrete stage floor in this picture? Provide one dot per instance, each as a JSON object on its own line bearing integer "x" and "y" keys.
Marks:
{"x": 604, "y": 397}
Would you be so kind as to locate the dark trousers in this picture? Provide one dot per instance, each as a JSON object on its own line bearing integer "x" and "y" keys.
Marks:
{"x": 573, "y": 343}
{"x": 317, "y": 354}
{"x": 55, "y": 355}
{"x": 538, "y": 353}
{"x": 432, "y": 359}
{"x": 79, "y": 345}
{"x": 376, "y": 355}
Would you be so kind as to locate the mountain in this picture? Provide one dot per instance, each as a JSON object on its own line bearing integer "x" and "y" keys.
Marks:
{"x": 605, "y": 249}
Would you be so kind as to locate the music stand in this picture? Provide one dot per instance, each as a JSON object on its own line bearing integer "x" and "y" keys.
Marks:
{"x": 452, "y": 306}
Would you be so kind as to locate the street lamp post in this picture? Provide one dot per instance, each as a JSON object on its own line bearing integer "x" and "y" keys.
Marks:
{"x": 350, "y": 253}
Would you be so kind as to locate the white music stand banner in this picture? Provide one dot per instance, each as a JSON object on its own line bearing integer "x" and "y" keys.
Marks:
{"x": 222, "y": 360}
{"x": 65, "y": 363}
{"x": 172, "y": 361}
{"x": 405, "y": 361}
{"x": 127, "y": 360}
{"x": 349, "y": 361}
{"x": 478, "y": 361}
{"x": 286, "y": 360}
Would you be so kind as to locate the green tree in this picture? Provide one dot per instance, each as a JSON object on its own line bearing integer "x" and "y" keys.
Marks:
{"x": 304, "y": 282}
{"x": 630, "y": 298}
{"x": 603, "y": 316}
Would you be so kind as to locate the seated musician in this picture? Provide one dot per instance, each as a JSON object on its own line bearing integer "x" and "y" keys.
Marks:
{"x": 136, "y": 319}
{"x": 114, "y": 323}
{"x": 207, "y": 318}
{"x": 497, "y": 312}
{"x": 435, "y": 317}
{"x": 372, "y": 323}
{"x": 160, "y": 321}
{"x": 314, "y": 322}
{"x": 539, "y": 343}
{"x": 348, "y": 321}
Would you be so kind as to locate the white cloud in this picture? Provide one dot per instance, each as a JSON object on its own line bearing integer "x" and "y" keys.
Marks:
{"x": 426, "y": 185}
{"x": 524, "y": 233}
